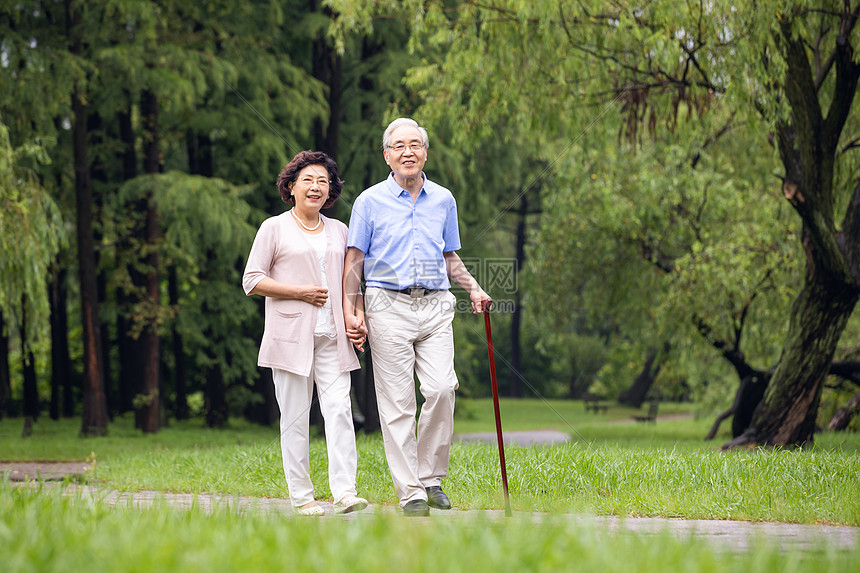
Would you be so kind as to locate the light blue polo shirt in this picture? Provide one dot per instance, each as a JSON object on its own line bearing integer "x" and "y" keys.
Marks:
{"x": 402, "y": 240}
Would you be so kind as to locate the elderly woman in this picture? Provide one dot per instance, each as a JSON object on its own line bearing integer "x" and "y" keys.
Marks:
{"x": 296, "y": 262}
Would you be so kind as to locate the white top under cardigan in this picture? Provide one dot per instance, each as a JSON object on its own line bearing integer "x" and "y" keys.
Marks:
{"x": 283, "y": 252}
{"x": 325, "y": 321}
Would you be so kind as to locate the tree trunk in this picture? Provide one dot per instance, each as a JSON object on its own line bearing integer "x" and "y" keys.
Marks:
{"x": 99, "y": 179}
{"x": 326, "y": 66}
{"x": 843, "y": 415}
{"x": 515, "y": 381}
{"x": 94, "y": 419}
{"x": 199, "y": 154}
{"x": 30, "y": 404}
{"x": 127, "y": 154}
{"x": 5, "y": 378}
{"x": 264, "y": 412}
{"x": 104, "y": 329}
{"x": 148, "y": 397}
{"x": 716, "y": 425}
{"x": 61, "y": 380}
{"x": 56, "y": 388}
{"x": 130, "y": 364}
{"x": 215, "y": 394}
{"x": 28, "y": 363}
{"x": 786, "y": 415}
{"x": 752, "y": 380}
{"x": 180, "y": 368}
{"x": 637, "y": 393}
{"x": 215, "y": 386}
{"x": 62, "y": 352}
{"x": 365, "y": 393}
{"x": 130, "y": 361}
{"x": 749, "y": 395}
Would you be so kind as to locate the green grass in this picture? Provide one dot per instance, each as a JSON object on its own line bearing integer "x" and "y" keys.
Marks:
{"x": 42, "y": 531}
{"x": 611, "y": 467}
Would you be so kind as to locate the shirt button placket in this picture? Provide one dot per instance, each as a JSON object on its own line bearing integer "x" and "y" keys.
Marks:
{"x": 416, "y": 264}
{"x": 414, "y": 228}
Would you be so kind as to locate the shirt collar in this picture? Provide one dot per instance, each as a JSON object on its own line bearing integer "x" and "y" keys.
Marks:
{"x": 397, "y": 190}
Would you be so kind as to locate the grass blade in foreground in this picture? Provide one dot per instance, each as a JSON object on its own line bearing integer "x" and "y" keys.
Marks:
{"x": 40, "y": 531}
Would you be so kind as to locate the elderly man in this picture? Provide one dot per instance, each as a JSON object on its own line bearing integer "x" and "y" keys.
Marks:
{"x": 403, "y": 236}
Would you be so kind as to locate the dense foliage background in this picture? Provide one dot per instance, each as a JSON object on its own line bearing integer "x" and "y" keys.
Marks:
{"x": 623, "y": 172}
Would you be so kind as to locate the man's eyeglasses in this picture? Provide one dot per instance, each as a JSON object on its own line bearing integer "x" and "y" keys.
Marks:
{"x": 401, "y": 147}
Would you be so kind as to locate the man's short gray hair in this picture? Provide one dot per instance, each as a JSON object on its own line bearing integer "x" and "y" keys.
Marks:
{"x": 386, "y": 137}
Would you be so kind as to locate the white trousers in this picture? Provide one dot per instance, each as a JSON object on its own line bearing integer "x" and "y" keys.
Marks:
{"x": 294, "y": 394}
{"x": 410, "y": 336}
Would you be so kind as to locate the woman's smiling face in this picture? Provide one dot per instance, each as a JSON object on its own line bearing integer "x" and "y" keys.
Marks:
{"x": 310, "y": 189}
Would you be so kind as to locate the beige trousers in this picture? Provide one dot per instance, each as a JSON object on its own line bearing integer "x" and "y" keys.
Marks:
{"x": 410, "y": 336}
{"x": 294, "y": 393}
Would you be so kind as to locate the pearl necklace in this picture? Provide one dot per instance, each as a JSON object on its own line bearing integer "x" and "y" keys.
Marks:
{"x": 299, "y": 221}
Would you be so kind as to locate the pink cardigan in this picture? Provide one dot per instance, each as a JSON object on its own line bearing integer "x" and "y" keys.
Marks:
{"x": 283, "y": 252}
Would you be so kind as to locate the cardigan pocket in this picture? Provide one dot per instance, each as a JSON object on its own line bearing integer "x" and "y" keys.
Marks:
{"x": 288, "y": 326}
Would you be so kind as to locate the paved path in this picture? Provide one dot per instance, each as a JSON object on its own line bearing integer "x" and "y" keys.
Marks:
{"x": 735, "y": 536}
{"x": 545, "y": 437}
{"x": 530, "y": 438}
{"x": 48, "y": 471}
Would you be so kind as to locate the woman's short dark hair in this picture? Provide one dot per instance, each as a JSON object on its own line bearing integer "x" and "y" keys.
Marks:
{"x": 302, "y": 159}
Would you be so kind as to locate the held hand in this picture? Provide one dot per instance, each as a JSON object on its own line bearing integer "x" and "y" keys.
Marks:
{"x": 356, "y": 331}
{"x": 315, "y": 295}
{"x": 481, "y": 301}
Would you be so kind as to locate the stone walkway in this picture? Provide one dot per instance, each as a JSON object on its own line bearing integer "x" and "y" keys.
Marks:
{"x": 530, "y": 438}
{"x": 48, "y": 471}
{"x": 736, "y": 536}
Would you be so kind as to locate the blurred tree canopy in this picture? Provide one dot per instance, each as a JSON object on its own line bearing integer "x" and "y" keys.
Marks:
{"x": 654, "y": 192}
{"x": 672, "y": 135}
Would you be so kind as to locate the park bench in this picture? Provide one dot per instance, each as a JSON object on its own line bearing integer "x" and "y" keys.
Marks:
{"x": 594, "y": 405}
{"x": 651, "y": 416}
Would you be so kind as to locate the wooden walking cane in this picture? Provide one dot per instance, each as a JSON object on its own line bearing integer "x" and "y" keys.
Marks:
{"x": 496, "y": 407}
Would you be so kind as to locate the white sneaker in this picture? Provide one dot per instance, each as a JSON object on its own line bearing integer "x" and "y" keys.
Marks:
{"x": 349, "y": 504}
{"x": 312, "y": 509}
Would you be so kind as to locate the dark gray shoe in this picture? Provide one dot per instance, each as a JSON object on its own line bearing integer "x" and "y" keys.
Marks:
{"x": 416, "y": 508}
{"x": 436, "y": 498}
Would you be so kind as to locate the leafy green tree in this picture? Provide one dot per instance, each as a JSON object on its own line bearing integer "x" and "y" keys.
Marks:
{"x": 671, "y": 82}
{"x": 206, "y": 228}
{"x": 5, "y": 372}
{"x": 812, "y": 86}
{"x": 46, "y": 49}
{"x": 31, "y": 233}
{"x": 228, "y": 102}
{"x": 209, "y": 89}
{"x": 458, "y": 161}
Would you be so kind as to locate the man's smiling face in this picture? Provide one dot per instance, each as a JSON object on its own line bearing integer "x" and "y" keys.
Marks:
{"x": 408, "y": 161}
